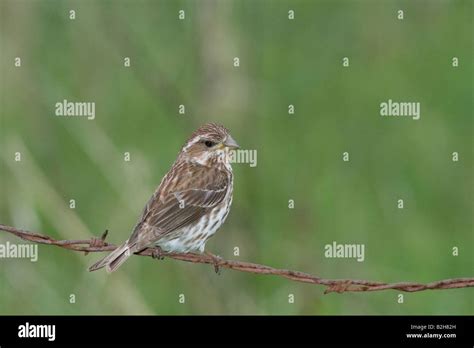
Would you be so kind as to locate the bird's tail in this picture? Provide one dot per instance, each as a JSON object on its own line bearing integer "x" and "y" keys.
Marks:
{"x": 113, "y": 261}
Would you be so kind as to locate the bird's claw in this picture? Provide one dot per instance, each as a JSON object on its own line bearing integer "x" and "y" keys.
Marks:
{"x": 157, "y": 253}
{"x": 216, "y": 260}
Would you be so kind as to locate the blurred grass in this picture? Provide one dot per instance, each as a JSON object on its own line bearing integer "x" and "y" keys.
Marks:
{"x": 299, "y": 157}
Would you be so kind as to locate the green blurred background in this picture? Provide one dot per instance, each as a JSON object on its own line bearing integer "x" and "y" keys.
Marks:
{"x": 282, "y": 62}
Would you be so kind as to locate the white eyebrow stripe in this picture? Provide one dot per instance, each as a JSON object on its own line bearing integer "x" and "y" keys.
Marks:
{"x": 191, "y": 143}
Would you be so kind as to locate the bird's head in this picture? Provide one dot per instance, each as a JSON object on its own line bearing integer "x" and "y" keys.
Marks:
{"x": 209, "y": 143}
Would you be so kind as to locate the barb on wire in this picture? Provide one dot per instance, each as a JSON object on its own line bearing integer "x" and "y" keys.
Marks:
{"x": 332, "y": 285}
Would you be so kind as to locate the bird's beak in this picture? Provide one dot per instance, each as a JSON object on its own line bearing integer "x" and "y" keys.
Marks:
{"x": 231, "y": 143}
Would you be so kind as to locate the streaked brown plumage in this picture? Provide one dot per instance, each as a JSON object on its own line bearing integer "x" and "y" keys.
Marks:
{"x": 191, "y": 202}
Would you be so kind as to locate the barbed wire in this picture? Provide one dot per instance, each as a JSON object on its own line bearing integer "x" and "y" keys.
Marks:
{"x": 332, "y": 285}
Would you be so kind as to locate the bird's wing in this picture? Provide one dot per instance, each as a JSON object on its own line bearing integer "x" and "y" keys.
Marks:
{"x": 183, "y": 200}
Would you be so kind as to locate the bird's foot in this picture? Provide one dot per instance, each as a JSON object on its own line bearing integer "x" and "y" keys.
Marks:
{"x": 216, "y": 260}
{"x": 158, "y": 253}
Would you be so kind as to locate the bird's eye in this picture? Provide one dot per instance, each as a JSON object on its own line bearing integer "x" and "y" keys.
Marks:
{"x": 209, "y": 143}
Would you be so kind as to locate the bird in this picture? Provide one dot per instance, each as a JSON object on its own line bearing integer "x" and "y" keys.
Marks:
{"x": 189, "y": 205}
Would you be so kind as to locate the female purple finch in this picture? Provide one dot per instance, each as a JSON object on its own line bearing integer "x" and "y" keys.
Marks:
{"x": 191, "y": 202}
